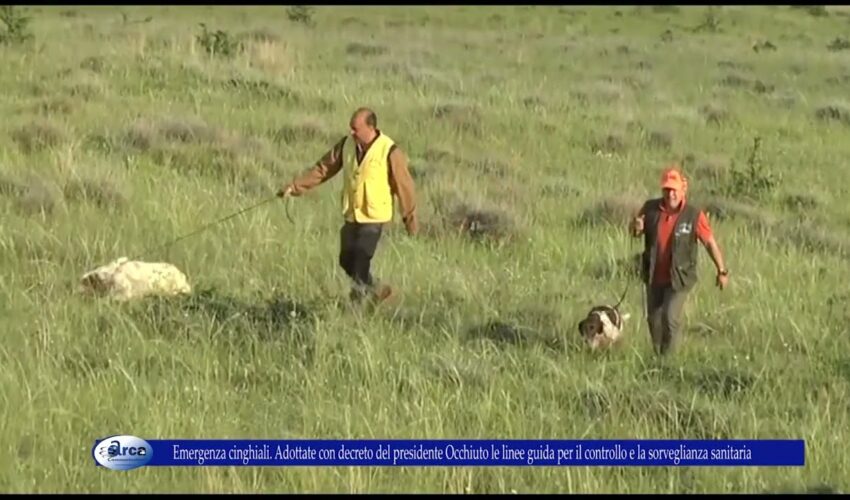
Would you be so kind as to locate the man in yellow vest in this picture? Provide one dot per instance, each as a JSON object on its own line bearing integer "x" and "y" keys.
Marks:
{"x": 375, "y": 169}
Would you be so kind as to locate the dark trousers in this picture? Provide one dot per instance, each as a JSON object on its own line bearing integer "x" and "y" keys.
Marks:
{"x": 358, "y": 243}
{"x": 664, "y": 311}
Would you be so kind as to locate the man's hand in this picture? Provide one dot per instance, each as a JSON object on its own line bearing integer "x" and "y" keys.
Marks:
{"x": 717, "y": 256}
{"x": 412, "y": 227}
{"x": 722, "y": 280}
{"x": 285, "y": 191}
{"x": 637, "y": 225}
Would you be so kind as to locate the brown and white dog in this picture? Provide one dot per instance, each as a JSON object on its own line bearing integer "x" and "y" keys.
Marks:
{"x": 603, "y": 327}
{"x": 124, "y": 280}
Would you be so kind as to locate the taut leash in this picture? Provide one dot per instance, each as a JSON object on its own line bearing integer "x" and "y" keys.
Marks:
{"x": 207, "y": 226}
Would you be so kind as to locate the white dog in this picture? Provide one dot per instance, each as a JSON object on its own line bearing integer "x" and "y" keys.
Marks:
{"x": 126, "y": 280}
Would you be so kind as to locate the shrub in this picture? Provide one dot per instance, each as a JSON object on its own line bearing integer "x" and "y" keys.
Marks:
{"x": 302, "y": 14}
{"x": 754, "y": 182}
{"x": 838, "y": 44}
{"x": 16, "y": 26}
{"x": 218, "y": 43}
{"x": 814, "y": 10}
{"x": 38, "y": 135}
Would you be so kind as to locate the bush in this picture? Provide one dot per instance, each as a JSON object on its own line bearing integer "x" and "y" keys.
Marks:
{"x": 218, "y": 43}
{"x": 38, "y": 135}
{"x": 16, "y": 26}
{"x": 814, "y": 10}
{"x": 835, "y": 112}
{"x": 838, "y": 44}
{"x": 710, "y": 21}
{"x": 301, "y": 14}
{"x": 756, "y": 181}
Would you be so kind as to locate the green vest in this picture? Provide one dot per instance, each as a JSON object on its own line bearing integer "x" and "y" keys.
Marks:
{"x": 683, "y": 269}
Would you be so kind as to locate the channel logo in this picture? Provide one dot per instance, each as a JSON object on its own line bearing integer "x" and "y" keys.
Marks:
{"x": 122, "y": 452}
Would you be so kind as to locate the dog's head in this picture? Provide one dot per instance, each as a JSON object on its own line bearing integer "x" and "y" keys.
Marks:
{"x": 590, "y": 327}
{"x": 100, "y": 280}
{"x": 602, "y": 327}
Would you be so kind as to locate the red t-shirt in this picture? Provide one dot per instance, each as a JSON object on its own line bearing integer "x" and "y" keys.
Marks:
{"x": 666, "y": 224}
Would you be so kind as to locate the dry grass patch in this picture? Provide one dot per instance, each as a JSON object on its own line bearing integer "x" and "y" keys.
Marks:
{"x": 839, "y": 113}
{"x": 260, "y": 35}
{"x": 96, "y": 64}
{"x": 146, "y": 135}
{"x": 463, "y": 118}
{"x": 611, "y": 143}
{"x": 709, "y": 172}
{"x": 192, "y": 146}
{"x": 9, "y": 186}
{"x": 102, "y": 193}
{"x": 814, "y": 239}
{"x": 617, "y": 211}
{"x": 365, "y": 50}
{"x": 476, "y": 222}
{"x": 722, "y": 208}
{"x": 660, "y": 139}
{"x": 270, "y": 56}
{"x": 623, "y": 267}
{"x": 480, "y": 224}
{"x": 54, "y": 106}
{"x": 38, "y": 135}
{"x": 715, "y": 114}
{"x": 800, "y": 202}
{"x": 299, "y": 133}
{"x": 39, "y": 197}
{"x": 263, "y": 90}
{"x": 84, "y": 86}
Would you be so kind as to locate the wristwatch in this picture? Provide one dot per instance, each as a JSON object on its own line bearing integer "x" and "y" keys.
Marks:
{"x": 724, "y": 272}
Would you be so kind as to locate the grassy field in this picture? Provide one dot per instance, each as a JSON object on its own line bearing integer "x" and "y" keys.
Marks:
{"x": 120, "y": 131}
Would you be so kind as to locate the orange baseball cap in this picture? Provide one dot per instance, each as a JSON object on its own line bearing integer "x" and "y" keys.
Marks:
{"x": 672, "y": 178}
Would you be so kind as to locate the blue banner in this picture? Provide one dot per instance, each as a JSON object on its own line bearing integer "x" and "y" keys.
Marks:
{"x": 126, "y": 452}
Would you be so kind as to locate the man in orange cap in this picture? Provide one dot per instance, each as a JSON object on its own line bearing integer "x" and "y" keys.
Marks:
{"x": 671, "y": 229}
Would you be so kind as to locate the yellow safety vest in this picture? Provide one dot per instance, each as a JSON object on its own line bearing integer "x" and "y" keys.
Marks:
{"x": 366, "y": 194}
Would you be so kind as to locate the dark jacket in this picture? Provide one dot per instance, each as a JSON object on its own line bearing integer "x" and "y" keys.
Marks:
{"x": 683, "y": 269}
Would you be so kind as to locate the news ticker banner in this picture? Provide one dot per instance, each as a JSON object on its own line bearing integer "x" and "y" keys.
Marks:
{"x": 126, "y": 452}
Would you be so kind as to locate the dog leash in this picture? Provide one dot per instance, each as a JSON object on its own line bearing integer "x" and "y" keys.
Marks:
{"x": 629, "y": 282}
{"x": 209, "y": 225}
{"x": 623, "y": 296}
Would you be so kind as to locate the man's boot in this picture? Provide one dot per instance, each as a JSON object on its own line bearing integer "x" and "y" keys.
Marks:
{"x": 381, "y": 293}
{"x": 357, "y": 294}
{"x": 384, "y": 292}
